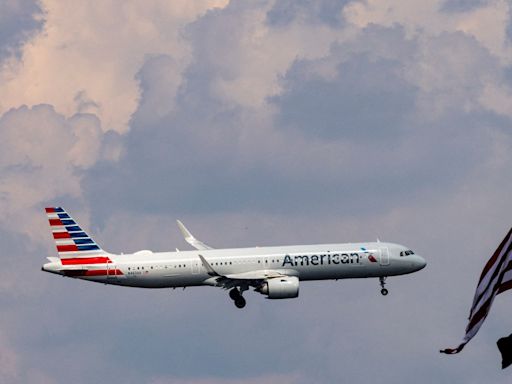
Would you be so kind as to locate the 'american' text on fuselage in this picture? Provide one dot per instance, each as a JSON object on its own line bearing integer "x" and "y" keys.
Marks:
{"x": 327, "y": 259}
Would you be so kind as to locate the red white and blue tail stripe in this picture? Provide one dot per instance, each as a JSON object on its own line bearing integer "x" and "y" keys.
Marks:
{"x": 73, "y": 244}
{"x": 71, "y": 240}
{"x": 80, "y": 255}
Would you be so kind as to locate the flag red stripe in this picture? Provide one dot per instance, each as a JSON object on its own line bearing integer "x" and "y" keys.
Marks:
{"x": 484, "y": 309}
{"x": 492, "y": 260}
{"x": 491, "y": 280}
{"x": 505, "y": 287}
{"x": 482, "y": 312}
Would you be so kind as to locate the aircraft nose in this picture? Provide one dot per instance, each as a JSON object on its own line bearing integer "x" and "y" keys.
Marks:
{"x": 418, "y": 262}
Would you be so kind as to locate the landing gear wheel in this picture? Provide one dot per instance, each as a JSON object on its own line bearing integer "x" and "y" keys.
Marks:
{"x": 234, "y": 294}
{"x": 382, "y": 281}
{"x": 240, "y": 302}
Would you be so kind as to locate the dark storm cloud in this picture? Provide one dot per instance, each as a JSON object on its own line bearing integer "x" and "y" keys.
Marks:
{"x": 19, "y": 21}
{"x": 463, "y": 5}
{"x": 366, "y": 100}
{"x": 193, "y": 159}
{"x": 326, "y": 11}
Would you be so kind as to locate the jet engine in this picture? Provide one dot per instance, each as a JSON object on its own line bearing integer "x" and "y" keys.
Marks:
{"x": 280, "y": 287}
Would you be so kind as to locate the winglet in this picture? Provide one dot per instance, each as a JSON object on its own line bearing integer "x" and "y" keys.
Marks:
{"x": 184, "y": 231}
{"x": 189, "y": 238}
{"x": 208, "y": 267}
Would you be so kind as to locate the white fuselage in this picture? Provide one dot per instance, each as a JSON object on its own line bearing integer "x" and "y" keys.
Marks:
{"x": 148, "y": 269}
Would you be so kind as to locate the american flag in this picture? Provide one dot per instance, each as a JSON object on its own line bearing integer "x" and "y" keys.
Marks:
{"x": 495, "y": 279}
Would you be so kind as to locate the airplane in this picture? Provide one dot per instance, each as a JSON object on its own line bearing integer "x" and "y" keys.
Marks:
{"x": 272, "y": 271}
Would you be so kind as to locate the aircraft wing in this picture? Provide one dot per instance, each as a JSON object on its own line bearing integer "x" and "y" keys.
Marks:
{"x": 256, "y": 275}
{"x": 251, "y": 278}
{"x": 189, "y": 238}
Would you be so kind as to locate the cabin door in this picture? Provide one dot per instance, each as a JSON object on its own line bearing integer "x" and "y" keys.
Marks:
{"x": 384, "y": 256}
{"x": 111, "y": 271}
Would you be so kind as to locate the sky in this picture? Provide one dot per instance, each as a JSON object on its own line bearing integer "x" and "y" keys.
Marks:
{"x": 255, "y": 123}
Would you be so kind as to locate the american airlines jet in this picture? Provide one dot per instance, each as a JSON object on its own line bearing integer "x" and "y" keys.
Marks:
{"x": 272, "y": 271}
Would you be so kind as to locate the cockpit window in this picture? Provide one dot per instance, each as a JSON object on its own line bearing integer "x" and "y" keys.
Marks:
{"x": 406, "y": 253}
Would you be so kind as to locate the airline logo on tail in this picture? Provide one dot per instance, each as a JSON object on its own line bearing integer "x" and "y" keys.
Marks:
{"x": 75, "y": 246}
{"x": 67, "y": 234}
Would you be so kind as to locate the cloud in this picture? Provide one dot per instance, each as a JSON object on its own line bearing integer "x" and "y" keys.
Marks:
{"x": 462, "y": 6}
{"x": 349, "y": 105}
{"x": 74, "y": 42}
{"x": 325, "y": 11}
{"x": 231, "y": 50}
{"x": 44, "y": 156}
{"x": 257, "y": 123}
{"x": 20, "y": 20}
{"x": 486, "y": 23}
{"x": 159, "y": 82}
{"x": 329, "y": 119}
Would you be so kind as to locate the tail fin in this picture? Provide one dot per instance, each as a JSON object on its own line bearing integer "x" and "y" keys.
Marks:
{"x": 71, "y": 240}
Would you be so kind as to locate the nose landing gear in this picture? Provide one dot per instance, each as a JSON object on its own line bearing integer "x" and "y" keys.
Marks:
{"x": 382, "y": 281}
{"x": 237, "y": 297}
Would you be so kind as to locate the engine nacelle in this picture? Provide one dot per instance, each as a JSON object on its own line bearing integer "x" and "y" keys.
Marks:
{"x": 280, "y": 287}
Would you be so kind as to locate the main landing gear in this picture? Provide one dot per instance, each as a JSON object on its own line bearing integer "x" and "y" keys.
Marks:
{"x": 382, "y": 281}
{"x": 237, "y": 297}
